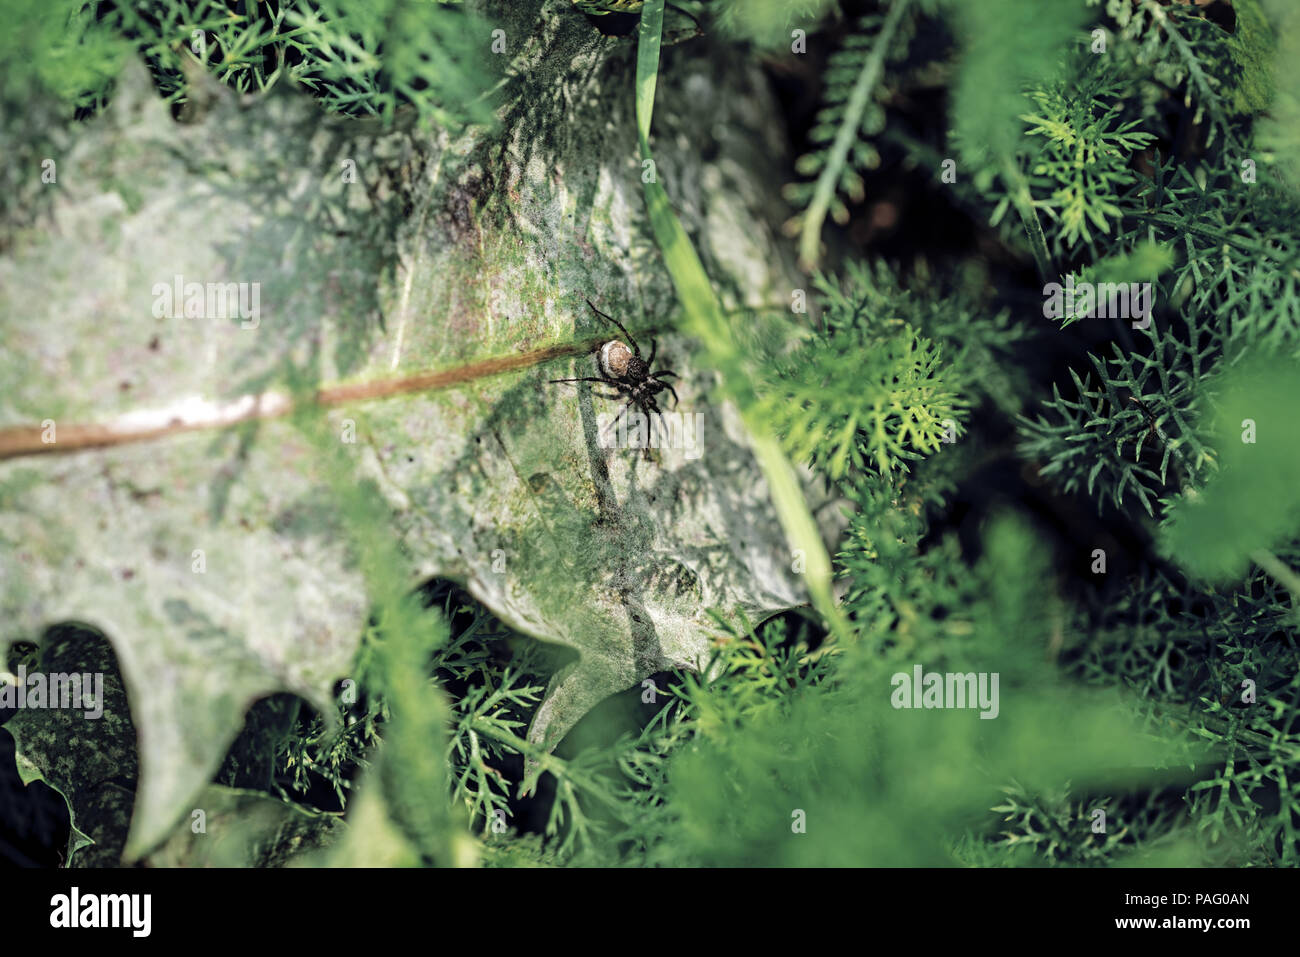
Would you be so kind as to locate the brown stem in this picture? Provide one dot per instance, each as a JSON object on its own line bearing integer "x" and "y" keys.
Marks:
{"x": 195, "y": 415}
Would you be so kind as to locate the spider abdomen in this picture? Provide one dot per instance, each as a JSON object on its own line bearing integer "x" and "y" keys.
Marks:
{"x": 615, "y": 359}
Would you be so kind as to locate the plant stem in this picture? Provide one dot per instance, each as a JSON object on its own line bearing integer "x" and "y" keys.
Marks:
{"x": 1018, "y": 185}
{"x": 1279, "y": 570}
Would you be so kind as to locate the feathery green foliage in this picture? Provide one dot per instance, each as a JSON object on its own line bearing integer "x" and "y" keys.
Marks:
{"x": 850, "y": 114}
{"x": 361, "y": 59}
{"x": 1166, "y": 707}
{"x": 1006, "y": 45}
{"x": 768, "y": 23}
{"x": 1130, "y": 138}
{"x": 865, "y": 393}
{"x": 1086, "y": 154}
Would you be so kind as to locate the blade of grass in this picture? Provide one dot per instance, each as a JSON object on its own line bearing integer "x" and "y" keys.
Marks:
{"x": 706, "y": 322}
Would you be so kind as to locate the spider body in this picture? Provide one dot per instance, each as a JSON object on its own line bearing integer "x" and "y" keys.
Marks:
{"x": 628, "y": 373}
{"x": 617, "y": 361}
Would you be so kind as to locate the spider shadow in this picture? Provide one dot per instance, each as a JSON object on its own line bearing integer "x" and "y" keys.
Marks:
{"x": 628, "y": 535}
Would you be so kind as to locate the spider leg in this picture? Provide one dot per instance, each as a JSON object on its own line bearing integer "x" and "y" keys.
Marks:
{"x": 622, "y": 389}
{"x": 654, "y": 348}
{"x": 673, "y": 391}
{"x": 609, "y": 428}
{"x": 649, "y": 432}
{"x": 636, "y": 350}
{"x": 648, "y": 410}
{"x": 667, "y": 432}
{"x": 656, "y": 375}
{"x": 664, "y": 431}
{"x": 651, "y": 422}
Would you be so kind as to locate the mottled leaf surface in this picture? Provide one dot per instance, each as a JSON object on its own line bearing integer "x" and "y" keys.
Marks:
{"x": 445, "y": 252}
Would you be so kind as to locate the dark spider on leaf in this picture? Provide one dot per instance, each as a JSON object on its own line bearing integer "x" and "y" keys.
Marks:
{"x": 633, "y": 377}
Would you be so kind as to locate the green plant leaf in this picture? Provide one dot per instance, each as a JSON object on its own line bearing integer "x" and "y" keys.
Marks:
{"x": 214, "y": 550}
{"x": 1253, "y": 503}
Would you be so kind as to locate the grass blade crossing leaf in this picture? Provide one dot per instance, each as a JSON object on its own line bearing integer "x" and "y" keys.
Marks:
{"x": 707, "y": 322}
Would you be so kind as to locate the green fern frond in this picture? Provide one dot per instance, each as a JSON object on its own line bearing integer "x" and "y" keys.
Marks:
{"x": 850, "y": 116}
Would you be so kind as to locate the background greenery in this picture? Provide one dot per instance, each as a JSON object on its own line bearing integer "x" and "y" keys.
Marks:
{"x": 982, "y": 453}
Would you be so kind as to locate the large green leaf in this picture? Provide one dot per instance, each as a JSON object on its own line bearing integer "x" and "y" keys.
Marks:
{"x": 1252, "y": 504}
{"x": 214, "y": 556}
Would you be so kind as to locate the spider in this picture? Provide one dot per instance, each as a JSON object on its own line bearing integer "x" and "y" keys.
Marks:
{"x": 631, "y": 376}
